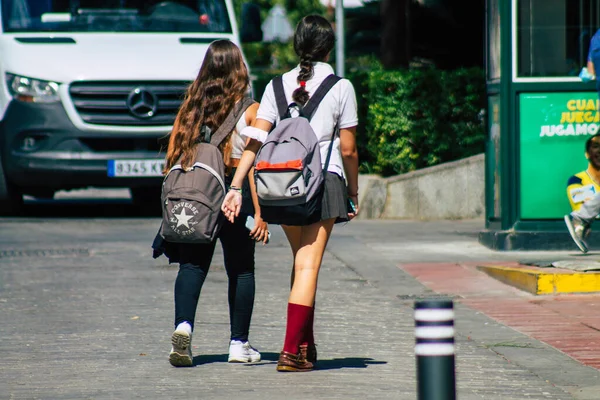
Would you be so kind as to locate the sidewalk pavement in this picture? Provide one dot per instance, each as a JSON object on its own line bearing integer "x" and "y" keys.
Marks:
{"x": 85, "y": 313}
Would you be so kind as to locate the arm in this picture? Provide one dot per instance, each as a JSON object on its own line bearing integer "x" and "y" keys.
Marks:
{"x": 593, "y": 48}
{"x": 260, "y": 233}
{"x": 233, "y": 199}
{"x": 350, "y": 161}
{"x": 347, "y": 121}
{"x": 247, "y": 160}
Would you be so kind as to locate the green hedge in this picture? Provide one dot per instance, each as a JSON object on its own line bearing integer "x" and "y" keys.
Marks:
{"x": 422, "y": 117}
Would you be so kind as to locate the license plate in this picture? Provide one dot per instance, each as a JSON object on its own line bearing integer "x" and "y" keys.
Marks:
{"x": 133, "y": 168}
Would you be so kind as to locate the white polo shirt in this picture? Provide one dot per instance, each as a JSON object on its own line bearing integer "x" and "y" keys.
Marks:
{"x": 337, "y": 107}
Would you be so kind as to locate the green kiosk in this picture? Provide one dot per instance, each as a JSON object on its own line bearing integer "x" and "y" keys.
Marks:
{"x": 539, "y": 113}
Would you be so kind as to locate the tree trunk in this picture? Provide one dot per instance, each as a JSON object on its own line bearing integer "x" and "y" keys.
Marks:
{"x": 395, "y": 37}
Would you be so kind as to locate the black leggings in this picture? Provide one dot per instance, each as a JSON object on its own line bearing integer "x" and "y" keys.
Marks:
{"x": 195, "y": 259}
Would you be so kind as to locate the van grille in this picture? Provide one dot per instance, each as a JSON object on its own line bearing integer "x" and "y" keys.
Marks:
{"x": 127, "y": 103}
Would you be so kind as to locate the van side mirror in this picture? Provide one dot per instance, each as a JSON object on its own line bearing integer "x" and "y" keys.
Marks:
{"x": 251, "y": 30}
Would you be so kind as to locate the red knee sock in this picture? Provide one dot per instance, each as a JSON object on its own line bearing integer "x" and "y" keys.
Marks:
{"x": 309, "y": 335}
{"x": 297, "y": 320}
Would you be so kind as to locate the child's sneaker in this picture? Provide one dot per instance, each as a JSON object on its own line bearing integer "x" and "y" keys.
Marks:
{"x": 242, "y": 352}
{"x": 181, "y": 352}
{"x": 578, "y": 231}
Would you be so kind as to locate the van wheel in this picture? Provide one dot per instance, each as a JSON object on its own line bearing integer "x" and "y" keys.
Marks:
{"x": 146, "y": 200}
{"x": 11, "y": 199}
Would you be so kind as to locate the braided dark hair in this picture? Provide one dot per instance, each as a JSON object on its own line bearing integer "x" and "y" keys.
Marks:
{"x": 313, "y": 41}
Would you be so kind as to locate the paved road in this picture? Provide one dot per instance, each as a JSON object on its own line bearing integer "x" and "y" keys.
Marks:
{"x": 86, "y": 313}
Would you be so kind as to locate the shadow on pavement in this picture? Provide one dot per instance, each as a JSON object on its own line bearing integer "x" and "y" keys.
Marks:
{"x": 210, "y": 359}
{"x": 266, "y": 358}
{"x": 88, "y": 208}
{"x": 271, "y": 358}
{"x": 348, "y": 362}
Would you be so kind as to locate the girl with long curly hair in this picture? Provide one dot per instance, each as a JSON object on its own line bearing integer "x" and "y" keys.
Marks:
{"x": 313, "y": 42}
{"x": 221, "y": 84}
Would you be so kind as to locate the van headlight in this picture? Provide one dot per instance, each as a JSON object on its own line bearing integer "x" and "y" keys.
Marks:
{"x": 32, "y": 90}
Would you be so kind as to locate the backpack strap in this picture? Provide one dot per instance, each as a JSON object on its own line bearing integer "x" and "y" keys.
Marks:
{"x": 311, "y": 106}
{"x": 335, "y": 133}
{"x": 231, "y": 120}
{"x": 282, "y": 105}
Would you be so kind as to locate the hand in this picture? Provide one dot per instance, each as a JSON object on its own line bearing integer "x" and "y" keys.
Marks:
{"x": 355, "y": 201}
{"x": 231, "y": 205}
{"x": 260, "y": 233}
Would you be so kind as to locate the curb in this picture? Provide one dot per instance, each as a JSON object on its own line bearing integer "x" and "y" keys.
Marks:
{"x": 541, "y": 282}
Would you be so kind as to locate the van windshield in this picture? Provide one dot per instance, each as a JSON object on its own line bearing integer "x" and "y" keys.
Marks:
{"x": 191, "y": 16}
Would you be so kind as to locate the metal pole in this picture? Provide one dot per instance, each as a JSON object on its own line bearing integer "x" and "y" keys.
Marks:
{"x": 582, "y": 58}
{"x": 339, "y": 25}
{"x": 434, "y": 349}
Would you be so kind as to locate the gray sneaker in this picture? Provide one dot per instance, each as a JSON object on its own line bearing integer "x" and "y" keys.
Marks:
{"x": 181, "y": 352}
{"x": 579, "y": 231}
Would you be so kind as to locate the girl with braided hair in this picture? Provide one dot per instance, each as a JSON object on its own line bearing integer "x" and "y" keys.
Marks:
{"x": 314, "y": 40}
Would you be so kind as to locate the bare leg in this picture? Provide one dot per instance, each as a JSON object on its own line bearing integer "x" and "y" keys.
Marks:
{"x": 294, "y": 237}
{"x": 307, "y": 262}
{"x": 300, "y": 314}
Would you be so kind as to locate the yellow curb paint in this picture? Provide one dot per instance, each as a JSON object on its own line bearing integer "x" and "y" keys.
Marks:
{"x": 524, "y": 279}
{"x": 539, "y": 282}
{"x": 545, "y": 284}
{"x": 577, "y": 283}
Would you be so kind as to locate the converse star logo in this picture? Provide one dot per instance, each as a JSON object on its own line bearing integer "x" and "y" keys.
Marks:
{"x": 183, "y": 218}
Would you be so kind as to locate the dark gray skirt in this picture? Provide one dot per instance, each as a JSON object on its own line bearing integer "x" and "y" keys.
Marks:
{"x": 335, "y": 199}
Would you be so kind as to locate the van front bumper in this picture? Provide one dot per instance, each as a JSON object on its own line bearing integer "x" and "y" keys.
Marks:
{"x": 42, "y": 149}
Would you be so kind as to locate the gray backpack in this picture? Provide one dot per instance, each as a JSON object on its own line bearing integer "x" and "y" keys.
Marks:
{"x": 288, "y": 171}
{"x": 191, "y": 198}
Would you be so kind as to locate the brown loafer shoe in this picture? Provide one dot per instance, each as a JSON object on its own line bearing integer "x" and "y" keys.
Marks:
{"x": 289, "y": 362}
{"x": 309, "y": 352}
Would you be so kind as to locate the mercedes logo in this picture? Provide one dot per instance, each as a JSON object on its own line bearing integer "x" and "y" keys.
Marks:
{"x": 142, "y": 103}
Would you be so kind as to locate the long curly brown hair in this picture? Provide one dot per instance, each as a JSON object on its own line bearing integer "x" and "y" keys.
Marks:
{"x": 222, "y": 82}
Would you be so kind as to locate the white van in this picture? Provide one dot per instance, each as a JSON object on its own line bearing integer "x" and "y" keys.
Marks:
{"x": 90, "y": 88}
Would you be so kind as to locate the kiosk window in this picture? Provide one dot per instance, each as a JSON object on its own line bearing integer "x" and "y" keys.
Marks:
{"x": 493, "y": 39}
{"x": 553, "y": 36}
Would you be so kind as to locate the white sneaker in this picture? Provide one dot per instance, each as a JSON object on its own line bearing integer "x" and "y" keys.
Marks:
{"x": 242, "y": 352}
{"x": 181, "y": 352}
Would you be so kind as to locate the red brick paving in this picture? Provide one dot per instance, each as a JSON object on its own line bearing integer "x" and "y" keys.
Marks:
{"x": 569, "y": 323}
